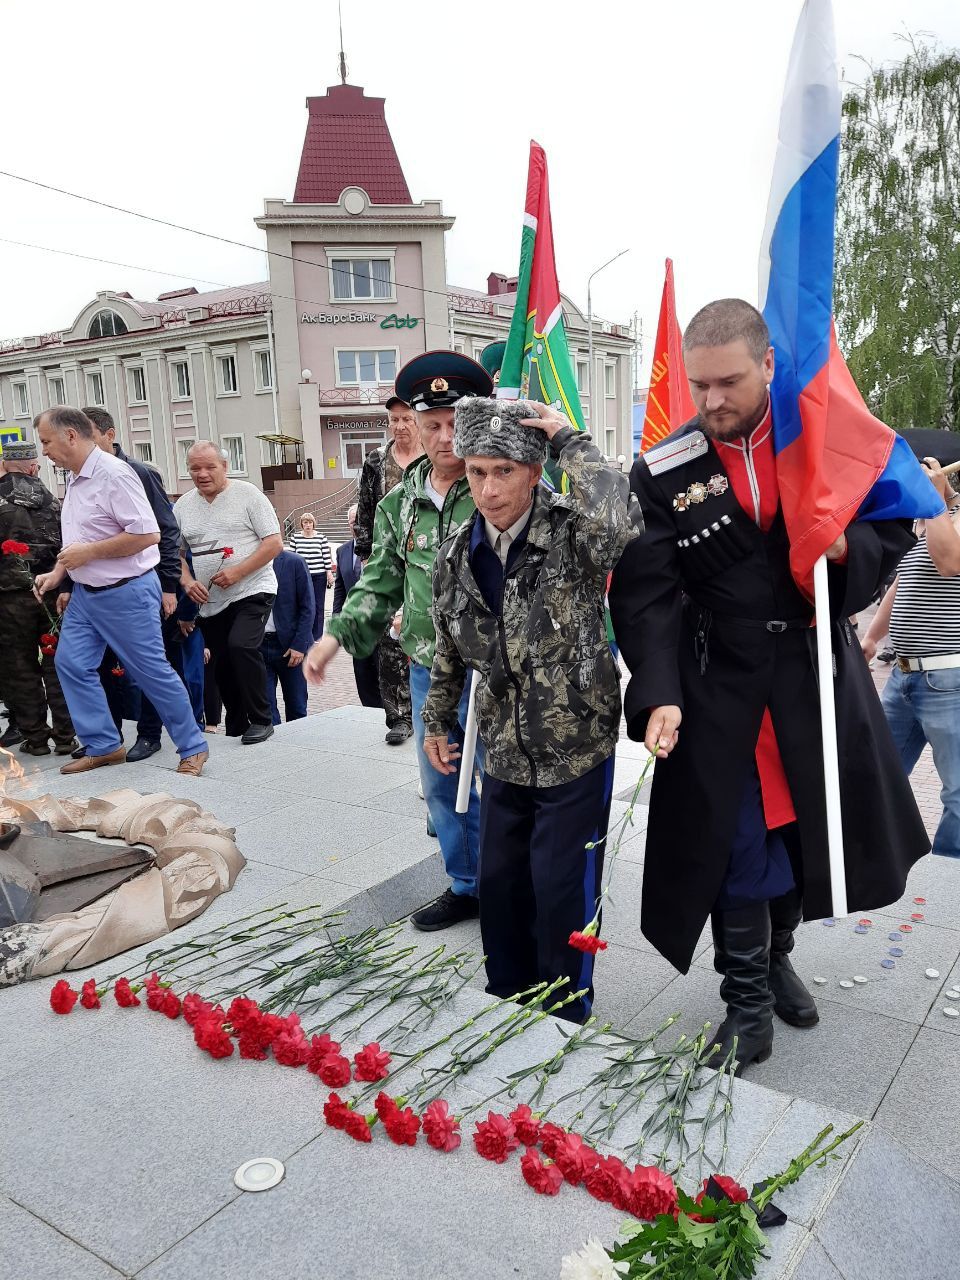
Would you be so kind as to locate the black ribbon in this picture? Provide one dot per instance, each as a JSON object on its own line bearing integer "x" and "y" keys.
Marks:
{"x": 769, "y": 1216}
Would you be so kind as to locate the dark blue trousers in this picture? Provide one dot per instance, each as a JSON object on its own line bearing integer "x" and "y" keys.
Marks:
{"x": 760, "y": 867}
{"x": 293, "y": 683}
{"x": 539, "y": 882}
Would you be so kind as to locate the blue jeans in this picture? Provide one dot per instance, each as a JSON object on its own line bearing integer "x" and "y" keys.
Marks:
{"x": 458, "y": 833}
{"x": 922, "y": 707}
{"x": 292, "y": 680}
{"x": 127, "y": 619}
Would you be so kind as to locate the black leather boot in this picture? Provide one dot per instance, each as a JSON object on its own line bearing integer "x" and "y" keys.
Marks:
{"x": 791, "y": 1000}
{"x": 741, "y": 940}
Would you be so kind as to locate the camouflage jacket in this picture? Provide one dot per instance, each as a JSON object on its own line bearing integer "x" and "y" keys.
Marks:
{"x": 407, "y": 531}
{"x": 380, "y": 473}
{"x": 548, "y": 697}
{"x": 28, "y": 513}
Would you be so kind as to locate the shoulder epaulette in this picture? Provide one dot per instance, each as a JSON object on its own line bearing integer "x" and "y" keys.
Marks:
{"x": 675, "y": 451}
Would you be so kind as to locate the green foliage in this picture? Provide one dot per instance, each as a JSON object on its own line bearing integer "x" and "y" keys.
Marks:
{"x": 897, "y": 286}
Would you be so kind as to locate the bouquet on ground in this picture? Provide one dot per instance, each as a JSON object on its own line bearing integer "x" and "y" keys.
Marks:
{"x": 719, "y": 1235}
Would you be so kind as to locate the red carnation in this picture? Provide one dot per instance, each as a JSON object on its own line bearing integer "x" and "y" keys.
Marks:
{"x": 371, "y": 1063}
{"x": 194, "y": 1007}
{"x": 334, "y": 1071}
{"x": 651, "y": 1192}
{"x": 89, "y": 995}
{"x": 227, "y": 552}
{"x": 603, "y": 1181}
{"x": 170, "y": 1004}
{"x": 573, "y": 1158}
{"x": 402, "y": 1127}
{"x": 12, "y": 548}
{"x": 495, "y": 1138}
{"x": 240, "y": 1012}
{"x": 48, "y": 638}
{"x": 358, "y": 1127}
{"x": 335, "y": 1112}
{"x": 544, "y": 1178}
{"x": 155, "y": 996}
{"x": 321, "y": 1047}
{"x": 124, "y": 994}
{"x": 210, "y": 1036}
{"x": 731, "y": 1189}
{"x": 385, "y": 1106}
{"x": 526, "y": 1124}
{"x": 291, "y": 1048}
{"x": 586, "y": 942}
{"x": 440, "y": 1128}
{"x": 269, "y": 1026}
{"x": 48, "y": 650}
{"x": 118, "y": 671}
{"x": 550, "y": 1135}
{"x": 250, "y": 1044}
{"x": 63, "y": 997}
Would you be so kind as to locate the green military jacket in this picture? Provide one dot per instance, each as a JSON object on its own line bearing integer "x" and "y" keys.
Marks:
{"x": 407, "y": 531}
{"x": 548, "y": 693}
{"x": 28, "y": 513}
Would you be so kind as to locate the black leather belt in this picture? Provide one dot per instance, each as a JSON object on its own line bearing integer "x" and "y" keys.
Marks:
{"x": 121, "y": 583}
{"x": 776, "y": 625}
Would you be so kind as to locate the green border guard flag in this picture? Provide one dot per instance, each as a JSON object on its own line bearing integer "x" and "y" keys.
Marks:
{"x": 536, "y": 364}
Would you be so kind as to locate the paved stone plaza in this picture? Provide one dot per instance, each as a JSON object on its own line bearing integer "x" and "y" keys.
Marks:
{"x": 120, "y": 1139}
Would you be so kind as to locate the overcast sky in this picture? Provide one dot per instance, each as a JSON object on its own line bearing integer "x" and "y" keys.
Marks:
{"x": 659, "y": 121}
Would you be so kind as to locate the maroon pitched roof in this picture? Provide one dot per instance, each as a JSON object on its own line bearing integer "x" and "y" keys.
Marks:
{"x": 348, "y": 144}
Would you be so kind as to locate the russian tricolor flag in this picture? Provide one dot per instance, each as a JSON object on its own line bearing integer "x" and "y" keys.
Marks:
{"x": 836, "y": 462}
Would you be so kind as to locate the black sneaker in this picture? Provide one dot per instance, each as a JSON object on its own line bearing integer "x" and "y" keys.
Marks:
{"x": 450, "y": 908}
{"x": 886, "y": 655}
{"x": 10, "y": 736}
{"x": 399, "y": 733}
{"x": 66, "y": 748}
{"x": 34, "y": 748}
{"x": 142, "y": 749}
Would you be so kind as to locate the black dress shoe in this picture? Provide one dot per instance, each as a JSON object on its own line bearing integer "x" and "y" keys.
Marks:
{"x": 10, "y": 736}
{"x": 66, "y": 748}
{"x": 34, "y": 748}
{"x": 142, "y": 749}
{"x": 450, "y": 908}
{"x": 256, "y": 733}
{"x": 399, "y": 733}
{"x": 78, "y": 752}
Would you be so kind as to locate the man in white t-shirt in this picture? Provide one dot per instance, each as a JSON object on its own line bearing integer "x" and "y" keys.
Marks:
{"x": 233, "y": 535}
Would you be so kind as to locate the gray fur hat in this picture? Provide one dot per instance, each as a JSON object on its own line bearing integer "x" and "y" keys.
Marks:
{"x": 491, "y": 429}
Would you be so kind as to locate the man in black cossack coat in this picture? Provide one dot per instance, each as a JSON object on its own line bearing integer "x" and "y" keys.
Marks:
{"x": 722, "y": 653}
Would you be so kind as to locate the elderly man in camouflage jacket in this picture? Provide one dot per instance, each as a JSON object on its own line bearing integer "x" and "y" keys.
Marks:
{"x": 432, "y": 501}
{"x": 519, "y": 596}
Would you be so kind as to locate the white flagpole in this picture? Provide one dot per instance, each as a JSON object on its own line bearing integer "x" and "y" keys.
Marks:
{"x": 469, "y": 749}
{"x": 828, "y": 728}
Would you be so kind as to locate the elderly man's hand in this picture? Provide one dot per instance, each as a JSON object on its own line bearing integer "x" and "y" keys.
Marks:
{"x": 548, "y": 419}
{"x": 197, "y": 592}
{"x": 937, "y": 478}
{"x": 441, "y": 753}
{"x": 318, "y": 657}
{"x": 75, "y": 556}
{"x": 168, "y": 603}
{"x": 662, "y": 731}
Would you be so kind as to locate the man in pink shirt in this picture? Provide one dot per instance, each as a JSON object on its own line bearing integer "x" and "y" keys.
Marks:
{"x": 110, "y": 539}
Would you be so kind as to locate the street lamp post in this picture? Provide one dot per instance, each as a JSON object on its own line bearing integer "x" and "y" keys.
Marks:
{"x": 590, "y": 368}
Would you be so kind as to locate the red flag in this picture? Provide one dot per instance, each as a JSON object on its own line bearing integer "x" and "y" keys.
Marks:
{"x": 669, "y": 403}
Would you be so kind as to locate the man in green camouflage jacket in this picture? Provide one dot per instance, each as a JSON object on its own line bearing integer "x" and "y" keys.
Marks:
{"x": 432, "y": 501}
{"x": 519, "y": 597}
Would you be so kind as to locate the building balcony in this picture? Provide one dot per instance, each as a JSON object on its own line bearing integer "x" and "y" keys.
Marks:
{"x": 352, "y": 396}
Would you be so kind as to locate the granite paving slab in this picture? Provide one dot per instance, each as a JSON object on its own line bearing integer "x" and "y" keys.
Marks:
{"x": 892, "y": 1215}
{"x": 814, "y": 1264}
{"x": 937, "y": 881}
{"x": 305, "y": 835}
{"x": 331, "y": 776}
{"x": 936, "y": 1019}
{"x": 30, "y": 1247}
{"x": 921, "y": 1107}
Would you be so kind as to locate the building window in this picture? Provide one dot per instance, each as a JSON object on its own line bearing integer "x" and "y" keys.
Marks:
{"x": 183, "y": 448}
{"x": 354, "y": 368}
{"x": 21, "y": 400}
{"x": 180, "y": 379}
{"x": 236, "y": 460}
{"x": 143, "y": 451}
{"x": 583, "y": 377}
{"x": 275, "y": 453}
{"x": 355, "y": 278}
{"x": 106, "y": 324}
{"x": 57, "y": 391}
{"x": 137, "y": 384}
{"x": 610, "y": 380}
{"x": 227, "y": 376}
{"x": 95, "y": 389}
{"x": 263, "y": 370}
{"x": 458, "y": 346}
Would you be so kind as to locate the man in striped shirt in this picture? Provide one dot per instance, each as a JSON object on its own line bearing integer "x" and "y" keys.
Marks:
{"x": 921, "y": 614}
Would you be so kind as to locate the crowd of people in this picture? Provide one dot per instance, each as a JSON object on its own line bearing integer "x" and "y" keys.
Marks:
{"x": 469, "y": 576}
